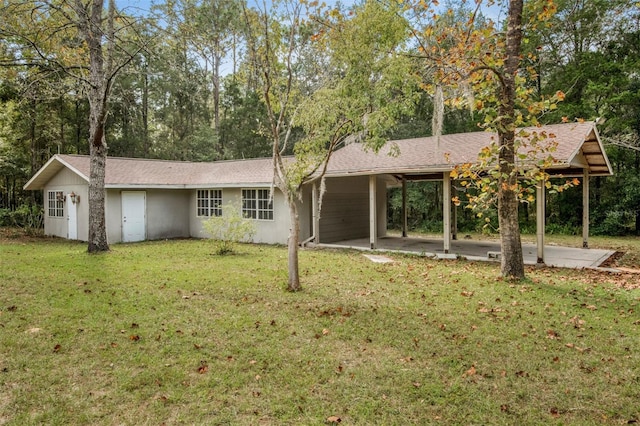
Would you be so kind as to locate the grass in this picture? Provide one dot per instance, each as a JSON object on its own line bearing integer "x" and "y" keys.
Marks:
{"x": 167, "y": 333}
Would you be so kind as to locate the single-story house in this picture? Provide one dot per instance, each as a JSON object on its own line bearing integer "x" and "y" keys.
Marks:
{"x": 155, "y": 199}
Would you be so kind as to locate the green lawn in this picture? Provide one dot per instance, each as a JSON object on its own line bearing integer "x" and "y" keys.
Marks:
{"x": 166, "y": 333}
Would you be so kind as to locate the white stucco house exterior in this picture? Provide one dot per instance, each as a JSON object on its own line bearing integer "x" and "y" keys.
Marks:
{"x": 154, "y": 199}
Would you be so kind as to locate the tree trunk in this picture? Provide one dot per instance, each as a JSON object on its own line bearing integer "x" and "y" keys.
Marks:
{"x": 294, "y": 236}
{"x": 512, "y": 263}
{"x": 97, "y": 222}
{"x": 78, "y": 128}
{"x": 91, "y": 29}
{"x": 98, "y": 160}
{"x": 216, "y": 102}
{"x": 33, "y": 141}
{"x": 145, "y": 109}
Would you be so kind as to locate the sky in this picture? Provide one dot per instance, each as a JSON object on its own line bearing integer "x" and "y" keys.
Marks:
{"x": 134, "y": 7}
{"x": 142, "y": 7}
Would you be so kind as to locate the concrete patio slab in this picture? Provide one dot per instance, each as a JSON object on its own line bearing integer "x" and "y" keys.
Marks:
{"x": 376, "y": 258}
{"x": 560, "y": 257}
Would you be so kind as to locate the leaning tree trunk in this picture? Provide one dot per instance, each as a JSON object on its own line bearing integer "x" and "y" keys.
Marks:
{"x": 512, "y": 263}
{"x": 294, "y": 236}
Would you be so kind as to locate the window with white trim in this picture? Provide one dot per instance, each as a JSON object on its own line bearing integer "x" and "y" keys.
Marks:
{"x": 209, "y": 202}
{"x": 55, "y": 203}
{"x": 257, "y": 204}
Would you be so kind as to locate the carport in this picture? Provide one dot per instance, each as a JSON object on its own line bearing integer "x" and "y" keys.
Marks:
{"x": 578, "y": 153}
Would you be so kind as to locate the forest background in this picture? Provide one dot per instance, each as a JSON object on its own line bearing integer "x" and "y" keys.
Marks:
{"x": 191, "y": 94}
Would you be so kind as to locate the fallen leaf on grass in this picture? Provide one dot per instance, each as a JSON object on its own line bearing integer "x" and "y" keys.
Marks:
{"x": 57, "y": 348}
{"x": 470, "y": 372}
{"x": 333, "y": 419}
{"x": 134, "y": 337}
{"x": 577, "y": 322}
{"x": 203, "y": 367}
{"x": 552, "y": 334}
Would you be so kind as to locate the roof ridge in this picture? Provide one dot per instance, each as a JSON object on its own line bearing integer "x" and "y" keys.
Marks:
{"x": 168, "y": 161}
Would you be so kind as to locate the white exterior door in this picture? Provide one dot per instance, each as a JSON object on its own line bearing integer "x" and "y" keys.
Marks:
{"x": 72, "y": 219}
{"x": 133, "y": 216}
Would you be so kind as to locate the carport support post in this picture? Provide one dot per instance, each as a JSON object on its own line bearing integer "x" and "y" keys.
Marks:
{"x": 404, "y": 206}
{"x": 585, "y": 209}
{"x": 446, "y": 210}
{"x": 454, "y": 219}
{"x": 315, "y": 231}
{"x": 373, "y": 228}
{"x": 540, "y": 219}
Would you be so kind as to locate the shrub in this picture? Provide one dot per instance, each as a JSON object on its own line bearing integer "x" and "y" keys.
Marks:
{"x": 229, "y": 229}
{"x": 26, "y": 217}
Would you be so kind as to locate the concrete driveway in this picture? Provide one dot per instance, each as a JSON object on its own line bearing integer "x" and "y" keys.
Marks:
{"x": 561, "y": 257}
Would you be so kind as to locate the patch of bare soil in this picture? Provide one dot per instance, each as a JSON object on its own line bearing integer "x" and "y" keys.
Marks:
{"x": 612, "y": 261}
{"x": 19, "y": 235}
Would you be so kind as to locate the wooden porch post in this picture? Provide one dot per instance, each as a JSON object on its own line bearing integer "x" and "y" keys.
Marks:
{"x": 446, "y": 210}
{"x": 454, "y": 219}
{"x": 315, "y": 226}
{"x": 540, "y": 219}
{"x": 585, "y": 209}
{"x": 373, "y": 228}
{"x": 404, "y": 206}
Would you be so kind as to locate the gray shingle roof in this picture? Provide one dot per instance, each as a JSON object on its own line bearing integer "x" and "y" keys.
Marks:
{"x": 131, "y": 172}
{"x": 578, "y": 146}
{"x": 434, "y": 155}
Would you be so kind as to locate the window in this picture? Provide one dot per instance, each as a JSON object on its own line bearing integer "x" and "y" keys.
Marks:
{"x": 55, "y": 200}
{"x": 257, "y": 204}
{"x": 209, "y": 202}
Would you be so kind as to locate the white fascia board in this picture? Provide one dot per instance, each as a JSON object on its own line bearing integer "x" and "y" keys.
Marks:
{"x": 184, "y": 186}
{"x": 594, "y": 130}
{"x": 48, "y": 165}
{"x": 231, "y": 185}
{"x": 390, "y": 171}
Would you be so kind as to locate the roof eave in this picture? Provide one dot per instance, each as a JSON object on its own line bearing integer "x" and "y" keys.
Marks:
{"x": 35, "y": 183}
{"x": 142, "y": 186}
{"x": 389, "y": 171}
{"x": 596, "y": 137}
